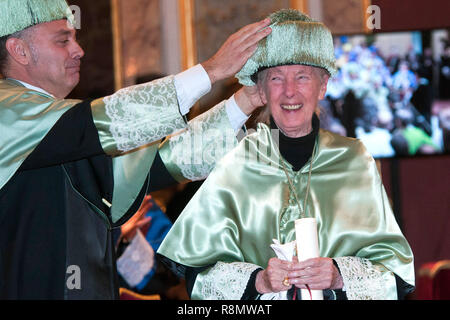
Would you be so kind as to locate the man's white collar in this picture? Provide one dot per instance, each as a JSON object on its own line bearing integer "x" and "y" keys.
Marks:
{"x": 31, "y": 87}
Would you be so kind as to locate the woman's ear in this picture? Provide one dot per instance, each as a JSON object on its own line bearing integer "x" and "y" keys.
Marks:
{"x": 262, "y": 92}
{"x": 323, "y": 86}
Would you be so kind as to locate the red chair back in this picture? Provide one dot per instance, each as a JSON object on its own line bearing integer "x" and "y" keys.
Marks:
{"x": 434, "y": 281}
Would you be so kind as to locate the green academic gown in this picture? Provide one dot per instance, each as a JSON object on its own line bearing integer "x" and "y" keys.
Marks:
{"x": 246, "y": 202}
{"x": 71, "y": 172}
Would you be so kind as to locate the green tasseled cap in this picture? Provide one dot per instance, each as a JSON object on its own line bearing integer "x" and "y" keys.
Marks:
{"x": 295, "y": 39}
{"x": 17, "y": 15}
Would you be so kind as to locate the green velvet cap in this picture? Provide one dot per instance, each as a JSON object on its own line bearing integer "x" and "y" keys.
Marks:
{"x": 295, "y": 39}
{"x": 17, "y": 15}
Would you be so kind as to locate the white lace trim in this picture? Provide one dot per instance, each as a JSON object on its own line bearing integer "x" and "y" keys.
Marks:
{"x": 227, "y": 281}
{"x": 197, "y": 150}
{"x": 143, "y": 113}
{"x": 362, "y": 279}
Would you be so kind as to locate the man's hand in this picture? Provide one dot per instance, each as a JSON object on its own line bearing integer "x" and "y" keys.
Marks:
{"x": 317, "y": 273}
{"x": 236, "y": 50}
{"x": 248, "y": 99}
{"x": 138, "y": 220}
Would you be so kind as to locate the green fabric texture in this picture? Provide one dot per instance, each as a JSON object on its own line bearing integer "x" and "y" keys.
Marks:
{"x": 193, "y": 153}
{"x": 17, "y": 15}
{"x": 26, "y": 116}
{"x": 246, "y": 202}
{"x": 295, "y": 39}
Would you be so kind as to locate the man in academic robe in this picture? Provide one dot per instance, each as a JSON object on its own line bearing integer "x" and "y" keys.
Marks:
{"x": 236, "y": 238}
{"x": 72, "y": 171}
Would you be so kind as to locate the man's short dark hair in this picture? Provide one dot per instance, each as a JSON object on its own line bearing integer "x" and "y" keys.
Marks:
{"x": 3, "y": 54}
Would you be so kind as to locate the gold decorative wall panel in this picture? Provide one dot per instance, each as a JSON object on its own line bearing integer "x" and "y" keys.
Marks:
{"x": 137, "y": 30}
{"x": 95, "y": 37}
{"x": 345, "y": 16}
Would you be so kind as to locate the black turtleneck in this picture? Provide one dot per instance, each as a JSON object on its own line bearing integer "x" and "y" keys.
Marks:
{"x": 297, "y": 151}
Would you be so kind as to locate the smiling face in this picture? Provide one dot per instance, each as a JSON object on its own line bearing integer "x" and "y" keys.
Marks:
{"x": 55, "y": 58}
{"x": 291, "y": 93}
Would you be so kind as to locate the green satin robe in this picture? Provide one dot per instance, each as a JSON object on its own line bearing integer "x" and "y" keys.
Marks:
{"x": 246, "y": 202}
{"x": 130, "y": 124}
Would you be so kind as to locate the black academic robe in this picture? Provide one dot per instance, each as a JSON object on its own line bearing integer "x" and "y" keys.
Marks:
{"x": 56, "y": 232}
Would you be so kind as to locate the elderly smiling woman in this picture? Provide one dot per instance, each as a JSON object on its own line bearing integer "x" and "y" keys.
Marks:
{"x": 290, "y": 168}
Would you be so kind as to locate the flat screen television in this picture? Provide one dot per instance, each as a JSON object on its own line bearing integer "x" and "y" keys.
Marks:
{"x": 392, "y": 91}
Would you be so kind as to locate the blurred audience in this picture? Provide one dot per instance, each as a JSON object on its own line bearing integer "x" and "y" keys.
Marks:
{"x": 371, "y": 95}
{"x": 137, "y": 265}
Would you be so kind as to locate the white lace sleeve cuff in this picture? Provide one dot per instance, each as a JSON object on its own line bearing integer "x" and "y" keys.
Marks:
{"x": 137, "y": 115}
{"x": 364, "y": 280}
{"x": 225, "y": 281}
{"x": 193, "y": 153}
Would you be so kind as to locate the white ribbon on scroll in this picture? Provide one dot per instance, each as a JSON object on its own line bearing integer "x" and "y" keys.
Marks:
{"x": 307, "y": 248}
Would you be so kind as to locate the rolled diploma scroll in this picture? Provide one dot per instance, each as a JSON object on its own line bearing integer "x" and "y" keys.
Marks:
{"x": 307, "y": 247}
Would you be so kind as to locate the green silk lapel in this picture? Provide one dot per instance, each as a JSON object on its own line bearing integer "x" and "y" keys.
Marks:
{"x": 26, "y": 116}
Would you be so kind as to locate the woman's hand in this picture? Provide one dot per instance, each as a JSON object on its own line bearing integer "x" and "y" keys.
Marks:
{"x": 271, "y": 279}
{"x": 317, "y": 273}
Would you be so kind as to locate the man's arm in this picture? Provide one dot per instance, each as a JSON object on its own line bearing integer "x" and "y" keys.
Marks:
{"x": 142, "y": 114}
{"x": 131, "y": 170}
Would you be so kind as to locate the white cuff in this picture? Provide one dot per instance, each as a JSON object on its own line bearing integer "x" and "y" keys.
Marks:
{"x": 235, "y": 115}
{"x": 191, "y": 85}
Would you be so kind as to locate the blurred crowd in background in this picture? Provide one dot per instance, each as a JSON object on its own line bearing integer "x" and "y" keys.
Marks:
{"x": 398, "y": 105}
